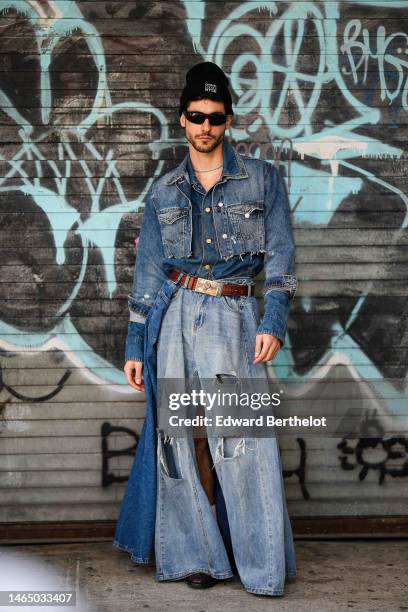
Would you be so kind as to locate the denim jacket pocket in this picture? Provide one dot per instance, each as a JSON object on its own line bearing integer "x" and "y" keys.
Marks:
{"x": 173, "y": 226}
{"x": 248, "y": 226}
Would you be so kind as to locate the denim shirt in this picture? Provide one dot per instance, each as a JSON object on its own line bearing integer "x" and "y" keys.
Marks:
{"x": 205, "y": 260}
{"x": 249, "y": 227}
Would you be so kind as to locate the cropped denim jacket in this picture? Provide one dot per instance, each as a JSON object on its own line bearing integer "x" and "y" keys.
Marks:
{"x": 251, "y": 214}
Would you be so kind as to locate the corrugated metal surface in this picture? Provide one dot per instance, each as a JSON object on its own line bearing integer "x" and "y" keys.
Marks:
{"x": 88, "y": 112}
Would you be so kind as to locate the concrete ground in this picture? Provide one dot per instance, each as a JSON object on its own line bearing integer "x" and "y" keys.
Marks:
{"x": 336, "y": 575}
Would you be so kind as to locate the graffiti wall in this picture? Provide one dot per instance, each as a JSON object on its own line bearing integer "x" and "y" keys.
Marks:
{"x": 89, "y": 94}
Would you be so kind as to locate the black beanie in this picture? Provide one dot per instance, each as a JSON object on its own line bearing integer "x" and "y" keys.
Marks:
{"x": 206, "y": 80}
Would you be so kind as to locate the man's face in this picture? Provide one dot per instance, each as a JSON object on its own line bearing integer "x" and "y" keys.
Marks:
{"x": 205, "y": 137}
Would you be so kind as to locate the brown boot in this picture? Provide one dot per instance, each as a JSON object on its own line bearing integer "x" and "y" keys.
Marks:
{"x": 201, "y": 581}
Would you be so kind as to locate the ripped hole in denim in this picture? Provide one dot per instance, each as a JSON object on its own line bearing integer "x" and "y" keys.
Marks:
{"x": 231, "y": 448}
{"x": 167, "y": 451}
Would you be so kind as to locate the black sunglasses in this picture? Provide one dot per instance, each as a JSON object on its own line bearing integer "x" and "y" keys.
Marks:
{"x": 199, "y": 118}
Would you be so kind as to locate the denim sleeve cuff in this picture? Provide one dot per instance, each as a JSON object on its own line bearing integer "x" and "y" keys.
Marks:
{"x": 134, "y": 348}
{"x": 138, "y": 307}
{"x": 273, "y": 326}
{"x": 274, "y": 320}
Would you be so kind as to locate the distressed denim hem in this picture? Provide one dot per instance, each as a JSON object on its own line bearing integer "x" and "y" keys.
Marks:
{"x": 256, "y": 591}
{"x": 138, "y": 307}
{"x": 139, "y": 560}
{"x": 219, "y": 576}
{"x": 130, "y": 357}
{"x": 282, "y": 282}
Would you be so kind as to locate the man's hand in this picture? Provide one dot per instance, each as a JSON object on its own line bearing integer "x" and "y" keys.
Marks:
{"x": 266, "y": 347}
{"x": 133, "y": 372}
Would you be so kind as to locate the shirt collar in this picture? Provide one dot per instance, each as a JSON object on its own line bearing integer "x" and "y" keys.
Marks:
{"x": 234, "y": 166}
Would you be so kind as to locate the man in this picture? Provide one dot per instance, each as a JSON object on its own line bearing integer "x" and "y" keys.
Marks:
{"x": 209, "y": 227}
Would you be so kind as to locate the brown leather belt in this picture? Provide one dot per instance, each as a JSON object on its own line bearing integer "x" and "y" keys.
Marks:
{"x": 211, "y": 287}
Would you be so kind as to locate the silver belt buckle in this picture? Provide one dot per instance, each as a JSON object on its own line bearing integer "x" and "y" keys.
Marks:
{"x": 211, "y": 287}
